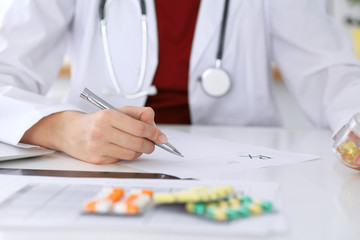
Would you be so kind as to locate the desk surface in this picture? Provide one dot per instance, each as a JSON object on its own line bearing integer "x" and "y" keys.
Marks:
{"x": 320, "y": 198}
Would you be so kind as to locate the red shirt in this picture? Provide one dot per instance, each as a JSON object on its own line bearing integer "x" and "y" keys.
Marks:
{"x": 176, "y": 24}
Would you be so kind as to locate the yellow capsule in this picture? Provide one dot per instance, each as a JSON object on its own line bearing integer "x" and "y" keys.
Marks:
{"x": 220, "y": 214}
{"x": 255, "y": 209}
{"x": 349, "y": 146}
{"x": 347, "y": 157}
{"x": 204, "y": 197}
{"x": 190, "y": 207}
{"x": 228, "y": 190}
{"x": 184, "y": 197}
{"x": 212, "y": 196}
{"x": 164, "y": 198}
{"x": 223, "y": 204}
{"x": 257, "y": 201}
{"x": 180, "y": 197}
{"x": 233, "y": 200}
{"x": 194, "y": 197}
{"x": 234, "y": 203}
{"x": 220, "y": 192}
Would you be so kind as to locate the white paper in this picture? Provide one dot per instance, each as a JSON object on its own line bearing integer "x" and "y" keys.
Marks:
{"x": 8, "y": 152}
{"x": 57, "y": 203}
{"x": 207, "y": 157}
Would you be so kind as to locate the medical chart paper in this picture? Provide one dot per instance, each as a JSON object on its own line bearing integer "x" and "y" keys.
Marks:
{"x": 28, "y": 202}
{"x": 207, "y": 157}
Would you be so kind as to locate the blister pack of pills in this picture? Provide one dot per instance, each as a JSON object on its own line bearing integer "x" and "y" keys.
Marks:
{"x": 195, "y": 194}
{"x": 347, "y": 143}
{"x": 231, "y": 208}
{"x": 117, "y": 201}
{"x": 218, "y": 203}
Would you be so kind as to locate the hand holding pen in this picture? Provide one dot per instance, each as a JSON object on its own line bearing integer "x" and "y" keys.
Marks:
{"x": 140, "y": 125}
{"x": 101, "y": 137}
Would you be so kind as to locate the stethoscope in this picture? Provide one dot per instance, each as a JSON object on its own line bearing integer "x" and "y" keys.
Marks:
{"x": 215, "y": 81}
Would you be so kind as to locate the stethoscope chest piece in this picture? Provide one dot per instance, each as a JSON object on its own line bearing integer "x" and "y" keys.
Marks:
{"x": 215, "y": 82}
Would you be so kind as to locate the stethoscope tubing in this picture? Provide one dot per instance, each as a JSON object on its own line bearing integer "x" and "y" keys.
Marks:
{"x": 136, "y": 93}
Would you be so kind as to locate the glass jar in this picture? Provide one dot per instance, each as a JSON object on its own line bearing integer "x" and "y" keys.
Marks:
{"x": 347, "y": 143}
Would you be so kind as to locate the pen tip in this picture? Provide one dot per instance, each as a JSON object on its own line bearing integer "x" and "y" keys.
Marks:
{"x": 178, "y": 153}
{"x": 172, "y": 149}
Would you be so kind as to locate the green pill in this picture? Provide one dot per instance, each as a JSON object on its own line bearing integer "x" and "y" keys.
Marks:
{"x": 199, "y": 208}
{"x": 210, "y": 212}
{"x": 243, "y": 211}
{"x": 267, "y": 206}
{"x": 245, "y": 199}
{"x": 231, "y": 214}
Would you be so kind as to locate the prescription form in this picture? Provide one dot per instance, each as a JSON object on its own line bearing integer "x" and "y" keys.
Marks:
{"x": 57, "y": 203}
{"x": 206, "y": 157}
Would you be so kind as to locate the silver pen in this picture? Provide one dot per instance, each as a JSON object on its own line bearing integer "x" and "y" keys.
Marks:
{"x": 102, "y": 104}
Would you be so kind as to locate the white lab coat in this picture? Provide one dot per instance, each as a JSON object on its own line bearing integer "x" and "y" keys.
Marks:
{"x": 315, "y": 59}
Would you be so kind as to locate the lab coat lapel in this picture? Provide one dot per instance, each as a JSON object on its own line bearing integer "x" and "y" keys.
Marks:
{"x": 152, "y": 60}
{"x": 208, "y": 24}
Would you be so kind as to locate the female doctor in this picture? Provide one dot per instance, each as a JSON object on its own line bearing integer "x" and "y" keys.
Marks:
{"x": 192, "y": 61}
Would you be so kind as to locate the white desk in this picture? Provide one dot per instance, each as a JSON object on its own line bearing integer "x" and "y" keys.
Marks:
{"x": 321, "y": 198}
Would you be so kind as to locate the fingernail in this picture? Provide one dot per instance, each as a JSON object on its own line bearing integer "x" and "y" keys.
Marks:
{"x": 163, "y": 139}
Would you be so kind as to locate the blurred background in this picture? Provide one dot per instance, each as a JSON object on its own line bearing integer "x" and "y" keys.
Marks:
{"x": 345, "y": 13}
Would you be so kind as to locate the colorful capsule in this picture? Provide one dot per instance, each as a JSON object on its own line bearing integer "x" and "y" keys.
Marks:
{"x": 164, "y": 198}
{"x": 245, "y": 199}
{"x": 199, "y": 208}
{"x": 195, "y": 194}
{"x": 114, "y": 201}
{"x": 255, "y": 209}
{"x": 267, "y": 206}
{"x": 232, "y": 214}
{"x": 243, "y": 211}
{"x": 220, "y": 214}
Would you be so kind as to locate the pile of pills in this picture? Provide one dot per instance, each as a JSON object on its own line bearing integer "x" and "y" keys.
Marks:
{"x": 229, "y": 209}
{"x": 349, "y": 150}
{"x": 115, "y": 201}
{"x": 195, "y": 194}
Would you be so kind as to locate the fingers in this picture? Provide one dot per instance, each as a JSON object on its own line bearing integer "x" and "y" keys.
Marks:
{"x": 128, "y": 141}
{"x": 110, "y": 153}
{"x": 139, "y": 122}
